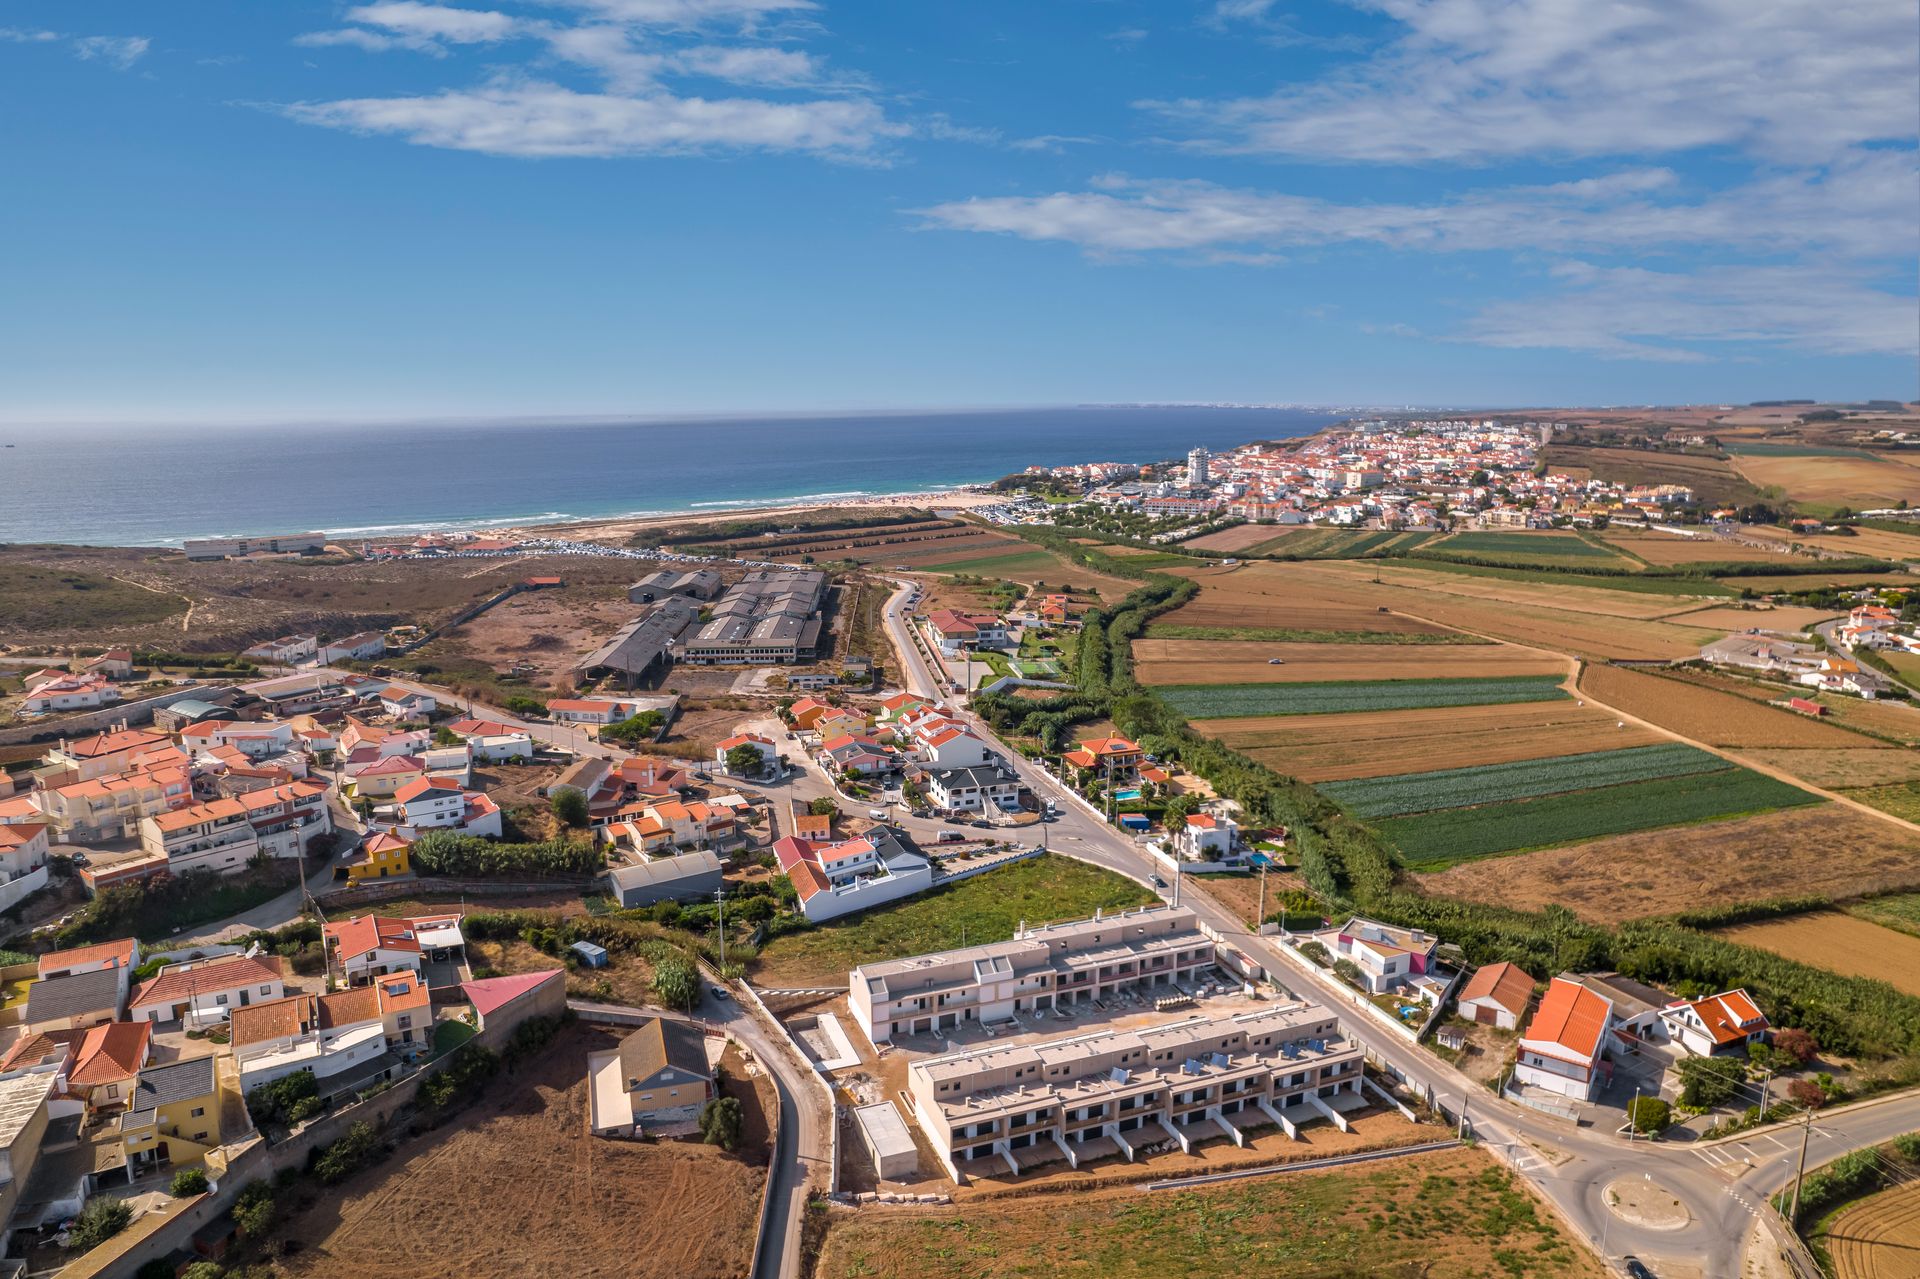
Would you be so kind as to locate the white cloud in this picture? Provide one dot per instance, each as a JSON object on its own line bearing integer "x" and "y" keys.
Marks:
{"x": 1478, "y": 80}
{"x": 779, "y": 68}
{"x": 1861, "y": 209}
{"x": 1634, "y": 313}
{"x": 16, "y": 35}
{"x": 609, "y": 49}
{"x": 436, "y": 21}
{"x": 119, "y": 51}
{"x": 688, "y": 13}
{"x": 1127, "y": 35}
{"x": 359, "y": 38}
{"x": 549, "y": 120}
{"x": 1052, "y": 143}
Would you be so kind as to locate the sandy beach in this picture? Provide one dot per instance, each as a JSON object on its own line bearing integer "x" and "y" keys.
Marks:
{"x": 620, "y": 529}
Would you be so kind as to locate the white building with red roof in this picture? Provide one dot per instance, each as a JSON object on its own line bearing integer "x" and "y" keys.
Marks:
{"x": 834, "y": 878}
{"x": 1721, "y": 1023}
{"x": 207, "y": 991}
{"x": 366, "y": 947}
{"x": 435, "y": 803}
{"x": 763, "y": 746}
{"x": 1563, "y": 1048}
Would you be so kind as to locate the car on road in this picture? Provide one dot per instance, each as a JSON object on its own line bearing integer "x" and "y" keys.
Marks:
{"x": 720, "y": 992}
{"x": 983, "y": 825}
{"x": 1156, "y": 881}
{"x": 950, "y": 837}
{"x": 703, "y": 777}
{"x": 80, "y": 859}
{"x": 1635, "y": 1268}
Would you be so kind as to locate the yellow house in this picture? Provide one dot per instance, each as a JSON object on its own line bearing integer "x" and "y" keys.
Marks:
{"x": 173, "y": 1117}
{"x": 381, "y": 857}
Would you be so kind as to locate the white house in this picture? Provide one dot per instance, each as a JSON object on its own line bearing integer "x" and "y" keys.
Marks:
{"x": 1497, "y": 995}
{"x": 1721, "y": 1023}
{"x": 434, "y": 803}
{"x": 972, "y": 790}
{"x": 1562, "y": 1049}
{"x": 406, "y": 704}
{"x": 63, "y": 692}
{"x": 764, "y": 746}
{"x": 367, "y": 646}
{"x": 365, "y": 947}
{"x": 1387, "y": 957}
{"x": 207, "y": 991}
{"x": 24, "y": 848}
{"x": 953, "y": 747}
{"x": 1204, "y": 837}
{"x": 288, "y": 650}
{"x": 592, "y": 710}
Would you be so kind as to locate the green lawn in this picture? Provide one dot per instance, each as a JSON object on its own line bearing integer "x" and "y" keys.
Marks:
{"x": 1010, "y": 565}
{"x": 449, "y": 1035}
{"x": 1544, "y": 545}
{"x": 983, "y": 909}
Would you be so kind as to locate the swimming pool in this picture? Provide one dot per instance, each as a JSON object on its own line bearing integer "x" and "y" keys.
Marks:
{"x": 1132, "y": 792}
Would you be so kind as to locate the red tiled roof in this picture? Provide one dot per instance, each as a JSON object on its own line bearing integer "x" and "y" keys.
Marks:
{"x": 111, "y": 1053}
{"x": 1505, "y": 984}
{"x": 79, "y": 956}
{"x": 1729, "y": 1017}
{"x": 366, "y": 933}
{"x": 178, "y": 984}
{"x": 1572, "y": 1017}
{"x": 807, "y": 880}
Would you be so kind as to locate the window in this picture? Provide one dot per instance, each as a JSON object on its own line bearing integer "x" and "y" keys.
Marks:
{"x": 220, "y": 1000}
{"x": 198, "y": 1112}
{"x": 113, "y": 1091}
{"x": 200, "y": 1136}
{"x": 266, "y": 990}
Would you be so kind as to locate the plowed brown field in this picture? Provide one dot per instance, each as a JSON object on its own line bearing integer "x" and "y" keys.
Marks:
{"x": 1842, "y": 769}
{"x": 1714, "y": 863}
{"x": 1840, "y": 943}
{"x": 1329, "y": 748}
{"x": 516, "y": 1187}
{"x": 1159, "y": 661}
{"x": 1877, "y": 1238}
{"x": 1727, "y": 617}
{"x": 1719, "y": 719}
{"x": 1238, "y": 538}
{"x": 1666, "y": 549}
{"x": 1223, "y": 608}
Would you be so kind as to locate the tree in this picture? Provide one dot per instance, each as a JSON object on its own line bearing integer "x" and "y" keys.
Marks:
{"x": 720, "y": 1123}
{"x": 188, "y": 1181}
{"x": 1796, "y": 1043}
{"x": 1315, "y": 951}
{"x": 253, "y": 1211}
{"x": 204, "y": 1270}
{"x": 1347, "y": 971}
{"x": 570, "y": 806}
{"x": 823, "y": 807}
{"x": 525, "y": 706}
{"x": 1648, "y": 1114}
{"x": 1808, "y": 1093}
{"x": 1181, "y": 807}
{"x": 444, "y": 736}
{"x": 744, "y": 759}
{"x": 99, "y": 1221}
{"x": 1708, "y": 1081}
{"x": 676, "y": 983}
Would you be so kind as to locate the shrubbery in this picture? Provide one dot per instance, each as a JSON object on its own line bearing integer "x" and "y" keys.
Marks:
{"x": 461, "y": 1079}
{"x": 188, "y": 1181}
{"x": 720, "y": 1123}
{"x": 285, "y": 1101}
{"x": 358, "y": 1147}
{"x": 99, "y": 1221}
{"x": 446, "y": 853}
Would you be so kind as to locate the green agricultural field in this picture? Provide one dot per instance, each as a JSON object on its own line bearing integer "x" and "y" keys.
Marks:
{"x": 1530, "y": 548}
{"x": 1224, "y": 701}
{"x": 1405, "y": 793}
{"x": 1337, "y": 544}
{"x": 1902, "y": 799}
{"x": 1434, "y": 841}
{"x": 982, "y": 909}
{"x": 1754, "y": 448}
{"x": 1640, "y": 583}
{"x": 1899, "y": 911}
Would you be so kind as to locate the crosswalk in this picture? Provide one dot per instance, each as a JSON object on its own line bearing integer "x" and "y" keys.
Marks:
{"x": 1741, "y": 1154}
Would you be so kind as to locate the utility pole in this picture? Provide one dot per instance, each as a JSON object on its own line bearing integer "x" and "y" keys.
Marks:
{"x": 1260, "y": 920}
{"x": 720, "y": 900}
{"x": 1633, "y": 1115}
{"x": 1806, "y": 1134}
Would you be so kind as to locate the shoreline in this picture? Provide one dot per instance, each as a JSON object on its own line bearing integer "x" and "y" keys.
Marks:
{"x": 623, "y": 527}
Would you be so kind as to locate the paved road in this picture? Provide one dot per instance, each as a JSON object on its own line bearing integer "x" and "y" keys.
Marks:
{"x": 1571, "y": 1166}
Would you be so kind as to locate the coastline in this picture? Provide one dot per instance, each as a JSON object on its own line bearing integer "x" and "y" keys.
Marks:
{"x": 619, "y": 529}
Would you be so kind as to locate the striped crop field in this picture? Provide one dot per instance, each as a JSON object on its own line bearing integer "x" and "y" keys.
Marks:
{"x": 1223, "y": 701}
{"x": 1405, "y": 793}
{"x": 1542, "y": 545}
{"x": 1432, "y": 841}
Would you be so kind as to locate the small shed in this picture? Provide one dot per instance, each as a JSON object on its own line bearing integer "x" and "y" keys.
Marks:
{"x": 591, "y": 955}
{"x": 887, "y": 1140}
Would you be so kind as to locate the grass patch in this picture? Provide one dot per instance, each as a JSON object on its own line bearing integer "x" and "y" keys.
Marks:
{"x": 1406, "y": 793}
{"x": 1901, "y": 800}
{"x": 1754, "y": 448}
{"x": 1639, "y": 583}
{"x": 449, "y": 1035}
{"x": 1012, "y": 565}
{"x": 1336, "y": 544}
{"x": 58, "y": 599}
{"x": 1433, "y": 841}
{"x": 1221, "y": 701}
{"x": 1898, "y": 911}
{"x": 1562, "y": 546}
{"x": 1285, "y": 635}
{"x": 985, "y": 908}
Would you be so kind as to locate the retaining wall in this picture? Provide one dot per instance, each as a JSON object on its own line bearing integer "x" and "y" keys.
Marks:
{"x": 138, "y": 711}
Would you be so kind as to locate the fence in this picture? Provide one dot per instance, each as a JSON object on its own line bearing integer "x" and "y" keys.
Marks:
{"x": 139, "y": 711}
{"x": 992, "y": 863}
{"x": 395, "y": 889}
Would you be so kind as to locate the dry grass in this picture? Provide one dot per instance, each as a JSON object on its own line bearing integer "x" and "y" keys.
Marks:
{"x": 1667, "y": 549}
{"x": 1839, "y": 943}
{"x": 1844, "y": 768}
{"x": 517, "y": 1187}
{"x": 1706, "y": 715}
{"x": 1241, "y": 893}
{"x": 1158, "y": 661}
{"x": 1876, "y": 1238}
{"x": 1859, "y": 482}
{"x": 1226, "y": 607}
{"x": 1327, "y": 748}
{"x": 1800, "y": 582}
{"x": 1690, "y": 867}
{"x": 1240, "y": 537}
{"x": 1596, "y": 599}
{"x": 1731, "y": 617}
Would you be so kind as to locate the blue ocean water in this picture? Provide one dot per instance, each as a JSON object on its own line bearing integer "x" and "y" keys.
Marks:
{"x": 137, "y": 486}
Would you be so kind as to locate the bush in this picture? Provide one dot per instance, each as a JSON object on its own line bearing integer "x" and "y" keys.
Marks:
{"x": 1648, "y": 1114}
{"x": 253, "y": 1210}
{"x": 158, "y": 1268}
{"x": 570, "y": 806}
{"x": 518, "y": 705}
{"x": 1797, "y": 1044}
{"x": 286, "y": 1100}
{"x": 823, "y": 807}
{"x": 1708, "y": 1081}
{"x": 359, "y": 1147}
{"x": 445, "y": 853}
{"x": 188, "y": 1181}
{"x": 1808, "y": 1093}
{"x": 99, "y": 1221}
{"x": 1316, "y": 952}
{"x": 461, "y": 1079}
{"x": 204, "y": 1270}
{"x": 720, "y": 1123}
{"x": 676, "y": 983}
{"x": 1347, "y": 971}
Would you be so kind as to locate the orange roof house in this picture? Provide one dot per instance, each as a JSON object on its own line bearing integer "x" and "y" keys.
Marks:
{"x": 1497, "y": 995}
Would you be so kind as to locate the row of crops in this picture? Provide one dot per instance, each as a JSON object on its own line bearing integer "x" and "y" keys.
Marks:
{"x": 1543, "y": 545}
{"x": 1223, "y": 701}
{"x": 1404, "y": 793}
{"x": 1432, "y": 841}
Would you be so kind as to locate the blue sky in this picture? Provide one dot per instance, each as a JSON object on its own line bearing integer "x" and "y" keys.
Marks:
{"x": 234, "y": 210}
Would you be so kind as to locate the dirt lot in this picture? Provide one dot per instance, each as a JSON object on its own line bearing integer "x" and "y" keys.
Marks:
{"x": 1876, "y": 1238}
{"x": 1710, "y": 864}
{"x": 1840, "y": 943}
{"x": 1664, "y": 550}
{"x": 1241, "y": 893}
{"x": 1445, "y": 1215}
{"x": 1233, "y": 599}
{"x": 548, "y": 630}
{"x": 1706, "y": 715}
{"x": 1158, "y": 661}
{"x": 1241, "y": 537}
{"x": 1732, "y": 617}
{"x": 1859, "y": 482}
{"x": 1327, "y": 748}
{"x": 516, "y": 1187}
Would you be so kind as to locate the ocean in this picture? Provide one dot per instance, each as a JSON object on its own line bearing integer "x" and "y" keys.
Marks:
{"x": 154, "y": 486}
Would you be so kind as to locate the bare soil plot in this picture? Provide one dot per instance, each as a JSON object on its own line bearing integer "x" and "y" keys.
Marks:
{"x": 1886, "y": 544}
{"x": 1158, "y": 661}
{"x": 1801, "y": 582}
{"x": 1445, "y": 1214}
{"x": 1859, "y": 482}
{"x": 1876, "y": 1238}
{"x": 1710, "y": 864}
{"x": 1596, "y": 599}
{"x": 1706, "y": 715}
{"x": 1845, "y": 768}
{"x": 1897, "y": 720}
{"x": 1732, "y": 617}
{"x": 1240, "y": 537}
{"x": 1712, "y": 479}
{"x": 515, "y": 1186}
{"x": 546, "y": 630}
{"x": 1840, "y": 943}
{"x": 1664, "y": 550}
{"x": 1325, "y": 748}
{"x": 1228, "y": 609}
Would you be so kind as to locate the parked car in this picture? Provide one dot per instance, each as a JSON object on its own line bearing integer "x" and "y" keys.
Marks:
{"x": 877, "y": 814}
{"x": 982, "y": 824}
{"x": 1635, "y": 1268}
{"x": 949, "y": 837}
{"x": 720, "y": 992}
{"x": 1156, "y": 881}
{"x": 703, "y": 777}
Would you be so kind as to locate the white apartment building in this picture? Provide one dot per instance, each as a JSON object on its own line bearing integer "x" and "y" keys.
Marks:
{"x": 1114, "y": 1091}
{"x": 1039, "y": 967}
